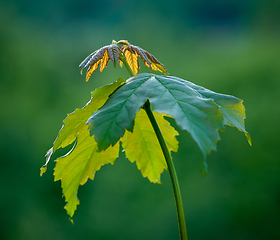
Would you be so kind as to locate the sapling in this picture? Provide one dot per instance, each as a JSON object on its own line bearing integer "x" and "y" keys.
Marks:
{"x": 133, "y": 112}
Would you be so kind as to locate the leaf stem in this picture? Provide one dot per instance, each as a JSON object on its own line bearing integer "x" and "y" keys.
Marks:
{"x": 122, "y": 58}
{"x": 172, "y": 172}
{"x": 170, "y": 165}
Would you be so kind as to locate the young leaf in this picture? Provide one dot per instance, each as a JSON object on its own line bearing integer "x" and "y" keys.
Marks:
{"x": 200, "y": 116}
{"x": 143, "y": 147}
{"x": 133, "y": 52}
{"x": 132, "y": 59}
{"x": 75, "y": 121}
{"x": 102, "y": 57}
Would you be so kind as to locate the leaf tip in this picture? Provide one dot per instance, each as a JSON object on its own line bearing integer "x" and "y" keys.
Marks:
{"x": 71, "y": 206}
{"x": 71, "y": 220}
{"x": 157, "y": 181}
{"x": 204, "y": 167}
{"x": 87, "y": 78}
{"x": 43, "y": 169}
{"x": 248, "y": 138}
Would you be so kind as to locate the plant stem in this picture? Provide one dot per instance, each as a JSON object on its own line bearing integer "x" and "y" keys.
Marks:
{"x": 122, "y": 58}
{"x": 172, "y": 172}
{"x": 170, "y": 165}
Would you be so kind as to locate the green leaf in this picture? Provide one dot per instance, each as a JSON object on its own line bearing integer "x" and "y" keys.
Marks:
{"x": 75, "y": 121}
{"x": 83, "y": 160}
{"x": 81, "y": 163}
{"x": 193, "y": 110}
{"x": 143, "y": 147}
{"x": 232, "y": 107}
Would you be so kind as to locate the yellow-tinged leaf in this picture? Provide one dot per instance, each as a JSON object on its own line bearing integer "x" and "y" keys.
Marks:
{"x": 143, "y": 56}
{"x": 81, "y": 163}
{"x": 159, "y": 67}
{"x": 124, "y": 42}
{"x": 92, "y": 69}
{"x": 132, "y": 60}
{"x": 102, "y": 55}
{"x": 83, "y": 160}
{"x": 113, "y": 51}
{"x": 149, "y": 60}
{"x": 104, "y": 61}
{"x": 75, "y": 121}
{"x": 143, "y": 147}
{"x": 121, "y": 63}
{"x": 147, "y": 65}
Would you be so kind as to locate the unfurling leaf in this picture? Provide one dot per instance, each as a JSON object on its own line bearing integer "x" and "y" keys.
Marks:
{"x": 190, "y": 105}
{"x": 130, "y": 53}
{"x": 143, "y": 147}
{"x": 133, "y": 52}
{"x": 114, "y": 53}
{"x": 132, "y": 60}
{"x": 101, "y": 57}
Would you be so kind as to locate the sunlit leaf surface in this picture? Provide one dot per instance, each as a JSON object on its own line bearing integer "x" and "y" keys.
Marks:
{"x": 81, "y": 163}
{"x": 142, "y": 145}
{"x": 83, "y": 160}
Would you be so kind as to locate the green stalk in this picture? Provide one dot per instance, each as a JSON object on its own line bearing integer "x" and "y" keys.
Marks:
{"x": 170, "y": 165}
{"x": 122, "y": 58}
{"x": 172, "y": 172}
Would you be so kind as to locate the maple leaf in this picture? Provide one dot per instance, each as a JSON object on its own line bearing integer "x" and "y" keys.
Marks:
{"x": 133, "y": 113}
{"x": 77, "y": 120}
{"x": 116, "y": 113}
{"x": 84, "y": 159}
{"x": 190, "y": 105}
{"x": 81, "y": 163}
{"x": 101, "y": 57}
{"x": 142, "y": 146}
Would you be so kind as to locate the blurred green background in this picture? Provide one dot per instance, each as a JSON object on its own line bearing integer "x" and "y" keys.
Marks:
{"x": 230, "y": 47}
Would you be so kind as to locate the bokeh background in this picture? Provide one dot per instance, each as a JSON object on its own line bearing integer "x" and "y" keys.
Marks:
{"x": 228, "y": 46}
